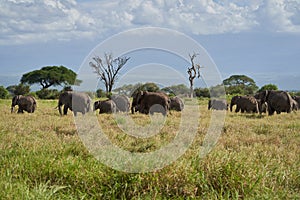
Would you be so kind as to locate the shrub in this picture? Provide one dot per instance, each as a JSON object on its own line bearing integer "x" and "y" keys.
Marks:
{"x": 3, "y": 93}
{"x": 48, "y": 94}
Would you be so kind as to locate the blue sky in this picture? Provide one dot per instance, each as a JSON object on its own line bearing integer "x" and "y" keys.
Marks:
{"x": 258, "y": 38}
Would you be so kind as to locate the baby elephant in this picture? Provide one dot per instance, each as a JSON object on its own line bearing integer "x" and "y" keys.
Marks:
{"x": 106, "y": 106}
{"x": 27, "y": 103}
{"x": 217, "y": 104}
{"x": 176, "y": 103}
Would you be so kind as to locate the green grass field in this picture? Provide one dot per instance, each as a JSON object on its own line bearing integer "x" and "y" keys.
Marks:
{"x": 42, "y": 157}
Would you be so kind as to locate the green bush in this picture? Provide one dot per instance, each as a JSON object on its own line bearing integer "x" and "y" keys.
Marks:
{"x": 48, "y": 94}
{"x": 4, "y": 94}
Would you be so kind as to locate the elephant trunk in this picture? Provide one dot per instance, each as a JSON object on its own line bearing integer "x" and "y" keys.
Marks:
{"x": 12, "y": 109}
{"x": 231, "y": 105}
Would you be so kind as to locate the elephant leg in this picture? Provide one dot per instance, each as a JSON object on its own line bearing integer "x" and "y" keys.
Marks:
{"x": 65, "y": 110}
{"x": 20, "y": 110}
{"x": 237, "y": 109}
{"x": 75, "y": 113}
{"x": 271, "y": 111}
{"x": 278, "y": 112}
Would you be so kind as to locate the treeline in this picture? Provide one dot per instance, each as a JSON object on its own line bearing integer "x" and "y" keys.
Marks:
{"x": 234, "y": 85}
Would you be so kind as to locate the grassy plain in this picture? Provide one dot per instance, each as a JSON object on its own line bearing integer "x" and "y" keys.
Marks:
{"x": 42, "y": 157}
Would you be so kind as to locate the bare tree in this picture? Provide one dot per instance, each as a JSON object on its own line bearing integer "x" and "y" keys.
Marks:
{"x": 193, "y": 72}
{"x": 107, "y": 69}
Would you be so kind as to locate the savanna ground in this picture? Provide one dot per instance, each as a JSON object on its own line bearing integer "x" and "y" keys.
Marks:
{"x": 43, "y": 157}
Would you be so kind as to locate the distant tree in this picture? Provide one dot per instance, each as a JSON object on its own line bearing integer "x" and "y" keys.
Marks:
{"x": 48, "y": 94}
{"x": 240, "y": 84}
{"x": 193, "y": 72}
{"x": 108, "y": 69}
{"x": 217, "y": 91}
{"x": 20, "y": 89}
{"x": 126, "y": 88}
{"x": 11, "y": 89}
{"x": 51, "y": 76}
{"x": 100, "y": 93}
{"x": 3, "y": 93}
{"x": 150, "y": 87}
{"x": 202, "y": 92}
{"x": 268, "y": 87}
{"x": 176, "y": 89}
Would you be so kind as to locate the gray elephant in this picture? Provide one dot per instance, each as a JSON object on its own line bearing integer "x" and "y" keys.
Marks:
{"x": 176, "y": 103}
{"x": 217, "y": 104}
{"x": 105, "y": 106}
{"x": 122, "y": 102}
{"x": 279, "y": 101}
{"x": 27, "y": 103}
{"x": 244, "y": 103}
{"x": 295, "y": 105}
{"x": 75, "y": 101}
{"x": 150, "y": 102}
{"x": 297, "y": 99}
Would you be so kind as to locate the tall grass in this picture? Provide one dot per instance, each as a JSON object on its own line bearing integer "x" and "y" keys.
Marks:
{"x": 42, "y": 157}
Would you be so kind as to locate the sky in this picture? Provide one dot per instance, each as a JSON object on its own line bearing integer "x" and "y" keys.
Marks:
{"x": 257, "y": 38}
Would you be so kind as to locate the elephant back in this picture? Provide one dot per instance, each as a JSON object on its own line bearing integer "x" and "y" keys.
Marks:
{"x": 81, "y": 102}
{"x": 280, "y": 101}
{"x": 217, "y": 104}
{"x": 122, "y": 102}
{"x": 107, "y": 106}
{"x": 176, "y": 103}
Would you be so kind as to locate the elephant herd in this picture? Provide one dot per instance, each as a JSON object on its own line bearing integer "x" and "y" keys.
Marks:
{"x": 143, "y": 102}
{"x": 149, "y": 102}
{"x": 266, "y": 101}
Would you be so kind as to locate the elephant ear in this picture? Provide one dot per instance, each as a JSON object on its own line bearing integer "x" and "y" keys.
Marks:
{"x": 17, "y": 98}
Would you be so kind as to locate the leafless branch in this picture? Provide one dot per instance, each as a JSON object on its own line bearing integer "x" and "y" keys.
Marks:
{"x": 108, "y": 69}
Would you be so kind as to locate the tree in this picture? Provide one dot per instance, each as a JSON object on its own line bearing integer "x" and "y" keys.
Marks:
{"x": 107, "y": 69}
{"x": 51, "y": 76}
{"x": 3, "y": 93}
{"x": 193, "y": 72}
{"x": 20, "y": 89}
{"x": 268, "y": 87}
{"x": 202, "y": 92}
{"x": 176, "y": 89}
{"x": 240, "y": 84}
{"x": 48, "y": 94}
{"x": 100, "y": 93}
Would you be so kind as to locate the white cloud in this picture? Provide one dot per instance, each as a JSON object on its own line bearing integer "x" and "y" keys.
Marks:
{"x": 282, "y": 15}
{"x": 27, "y": 21}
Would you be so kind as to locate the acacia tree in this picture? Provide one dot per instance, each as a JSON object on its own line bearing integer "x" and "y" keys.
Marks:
{"x": 107, "y": 69}
{"x": 50, "y": 76}
{"x": 268, "y": 87}
{"x": 193, "y": 72}
{"x": 240, "y": 84}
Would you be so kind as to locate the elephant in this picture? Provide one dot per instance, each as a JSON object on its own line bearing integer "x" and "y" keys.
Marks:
{"x": 244, "y": 103}
{"x": 150, "y": 102}
{"x": 75, "y": 101}
{"x": 122, "y": 102}
{"x": 176, "y": 103}
{"x": 27, "y": 103}
{"x": 295, "y": 105}
{"x": 217, "y": 104}
{"x": 106, "y": 106}
{"x": 279, "y": 101}
{"x": 297, "y": 99}
{"x": 262, "y": 107}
